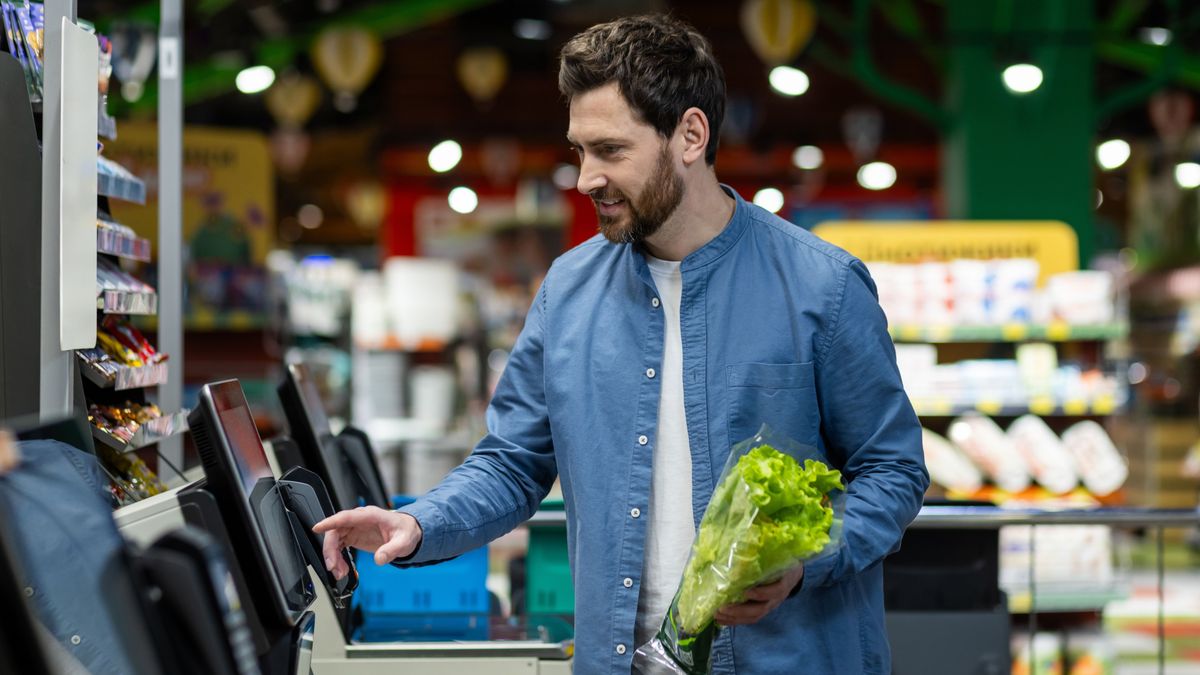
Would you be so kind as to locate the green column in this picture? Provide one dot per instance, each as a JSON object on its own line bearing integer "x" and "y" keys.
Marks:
{"x": 1026, "y": 157}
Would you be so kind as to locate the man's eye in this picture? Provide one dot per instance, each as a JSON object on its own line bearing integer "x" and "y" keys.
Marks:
{"x": 610, "y": 149}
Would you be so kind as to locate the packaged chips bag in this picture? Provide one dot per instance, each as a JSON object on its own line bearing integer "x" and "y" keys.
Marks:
{"x": 777, "y": 504}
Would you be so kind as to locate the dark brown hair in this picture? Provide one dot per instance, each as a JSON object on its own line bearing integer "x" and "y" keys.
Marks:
{"x": 662, "y": 66}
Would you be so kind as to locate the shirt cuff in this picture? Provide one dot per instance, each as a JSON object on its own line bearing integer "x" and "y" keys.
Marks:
{"x": 432, "y": 524}
{"x": 818, "y": 572}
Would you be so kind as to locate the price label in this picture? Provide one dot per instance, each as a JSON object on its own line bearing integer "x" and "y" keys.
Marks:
{"x": 989, "y": 407}
{"x": 908, "y": 333}
{"x": 1041, "y": 405}
{"x": 1058, "y": 331}
{"x": 1075, "y": 406}
{"x": 940, "y": 333}
{"x": 1014, "y": 332}
{"x": 1104, "y": 404}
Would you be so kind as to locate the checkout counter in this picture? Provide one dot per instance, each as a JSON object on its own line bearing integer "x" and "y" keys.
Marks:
{"x": 346, "y": 462}
{"x": 298, "y": 615}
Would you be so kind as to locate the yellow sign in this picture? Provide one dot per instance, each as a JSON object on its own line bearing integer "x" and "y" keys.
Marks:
{"x": 1051, "y": 243}
{"x": 228, "y": 216}
{"x": 228, "y": 189}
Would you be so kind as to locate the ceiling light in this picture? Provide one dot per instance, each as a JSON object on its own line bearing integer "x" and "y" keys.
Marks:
{"x": 1187, "y": 175}
{"x": 1022, "y": 78}
{"x": 877, "y": 176}
{"x": 788, "y": 81}
{"x": 310, "y": 216}
{"x": 463, "y": 200}
{"x": 1112, "y": 154}
{"x": 808, "y": 157}
{"x": 770, "y": 199}
{"x": 532, "y": 29}
{"x": 254, "y": 79}
{"x": 445, "y": 156}
{"x": 1155, "y": 35}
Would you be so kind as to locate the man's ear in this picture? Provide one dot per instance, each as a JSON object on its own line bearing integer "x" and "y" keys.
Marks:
{"x": 693, "y": 127}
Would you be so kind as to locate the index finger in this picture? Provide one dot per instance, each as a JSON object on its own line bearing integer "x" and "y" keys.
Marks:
{"x": 339, "y": 519}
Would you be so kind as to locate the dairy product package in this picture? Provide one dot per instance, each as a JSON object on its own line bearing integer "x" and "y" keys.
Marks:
{"x": 1043, "y": 451}
{"x": 948, "y": 466}
{"x": 1100, "y": 465}
{"x": 991, "y": 450}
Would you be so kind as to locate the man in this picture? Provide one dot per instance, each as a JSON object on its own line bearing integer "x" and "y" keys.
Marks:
{"x": 648, "y": 352}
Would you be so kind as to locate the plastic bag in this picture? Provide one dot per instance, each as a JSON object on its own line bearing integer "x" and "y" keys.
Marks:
{"x": 777, "y": 504}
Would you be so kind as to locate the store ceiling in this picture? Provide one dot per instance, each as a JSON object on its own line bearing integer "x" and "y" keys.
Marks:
{"x": 416, "y": 97}
{"x": 416, "y": 100}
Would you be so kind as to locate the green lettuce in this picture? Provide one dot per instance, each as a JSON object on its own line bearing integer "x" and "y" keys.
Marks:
{"x": 768, "y": 513}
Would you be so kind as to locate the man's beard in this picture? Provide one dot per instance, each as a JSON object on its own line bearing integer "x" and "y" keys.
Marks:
{"x": 660, "y": 198}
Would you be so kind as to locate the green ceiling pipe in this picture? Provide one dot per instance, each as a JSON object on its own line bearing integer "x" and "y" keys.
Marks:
{"x": 865, "y": 71}
{"x": 1167, "y": 62}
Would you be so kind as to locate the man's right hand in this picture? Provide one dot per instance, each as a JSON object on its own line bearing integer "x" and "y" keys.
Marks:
{"x": 389, "y": 534}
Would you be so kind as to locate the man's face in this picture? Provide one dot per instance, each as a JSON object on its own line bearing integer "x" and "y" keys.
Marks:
{"x": 626, "y": 167}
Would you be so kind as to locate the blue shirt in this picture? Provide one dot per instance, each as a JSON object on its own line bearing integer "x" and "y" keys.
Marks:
{"x": 778, "y": 327}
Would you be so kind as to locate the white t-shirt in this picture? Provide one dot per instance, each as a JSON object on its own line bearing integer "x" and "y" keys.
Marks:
{"x": 670, "y": 528}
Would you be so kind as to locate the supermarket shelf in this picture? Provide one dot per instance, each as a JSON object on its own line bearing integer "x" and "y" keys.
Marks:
{"x": 991, "y": 517}
{"x": 388, "y": 431}
{"x": 123, "y": 302}
{"x": 1044, "y": 407}
{"x": 127, "y": 377}
{"x": 391, "y": 344}
{"x": 1016, "y": 332}
{"x": 151, "y": 432}
{"x": 106, "y": 126}
{"x": 210, "y": 321}
{"x": 121, "y": 187}
{"x": 110, "y": 242}
{"x": 1053, "y": 597}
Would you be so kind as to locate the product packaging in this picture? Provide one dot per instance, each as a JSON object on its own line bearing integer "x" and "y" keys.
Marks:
{"x": 776, "y": 505}
{"x": 992, "y": 451}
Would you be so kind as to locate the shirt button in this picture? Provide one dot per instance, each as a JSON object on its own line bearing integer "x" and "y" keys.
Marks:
{"x": 642, "y": 440}
{"x": 75, "y": 639}
{"x": 29, "y": 591}
{"x": 650, "y": 373}
{"x": 628, "y": 582}
{"x": 635, "y": 512}
{"x": 620, "y": 649}
{"x": 655, "y": 302}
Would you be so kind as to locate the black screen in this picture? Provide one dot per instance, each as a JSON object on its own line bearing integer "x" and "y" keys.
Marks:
{"x": 239, "y": 476}
{"x": 318, "y": 447}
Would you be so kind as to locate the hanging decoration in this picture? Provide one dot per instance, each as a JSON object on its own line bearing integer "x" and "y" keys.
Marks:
{"x": 482, "y": 72}
{"x": 366, "y": 202}
{"x": 346, "y": 58}
{"x": 862, "y": 127}
{"x": 293, "y": 99}
{"x": 134, "y": 51}
{"x": 778, "y": 29}
{"x": 289, "y": 149}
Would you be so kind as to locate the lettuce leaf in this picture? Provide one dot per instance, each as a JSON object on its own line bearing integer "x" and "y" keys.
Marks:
{"x": 768, "y": 514}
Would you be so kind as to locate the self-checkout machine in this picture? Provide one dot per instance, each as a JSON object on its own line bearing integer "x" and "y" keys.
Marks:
{"x": 262, "y": 522}
{"x": 346, "y": 463}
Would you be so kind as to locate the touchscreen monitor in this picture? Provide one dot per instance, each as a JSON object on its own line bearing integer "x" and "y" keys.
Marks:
{"x": 239, "y": 476}
{"x": 349, "y": 478}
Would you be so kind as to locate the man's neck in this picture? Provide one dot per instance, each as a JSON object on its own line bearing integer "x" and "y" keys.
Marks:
{"x": 704, "y": 212}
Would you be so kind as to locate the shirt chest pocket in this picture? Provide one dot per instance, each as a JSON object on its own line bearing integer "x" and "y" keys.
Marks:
{"x": 780, "y": 395}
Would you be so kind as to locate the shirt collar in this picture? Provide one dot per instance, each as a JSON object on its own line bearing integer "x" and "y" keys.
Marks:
{"x": 714, "y": 249}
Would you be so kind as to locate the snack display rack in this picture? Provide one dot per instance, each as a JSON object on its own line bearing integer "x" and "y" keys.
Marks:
{"x": 62, "y": 356}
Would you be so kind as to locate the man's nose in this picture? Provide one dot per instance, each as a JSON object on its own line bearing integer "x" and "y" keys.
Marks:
{"x": 590, "y": 179}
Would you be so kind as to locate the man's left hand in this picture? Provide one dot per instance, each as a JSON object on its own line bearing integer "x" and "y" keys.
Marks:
{"x": 760, "y": 600}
